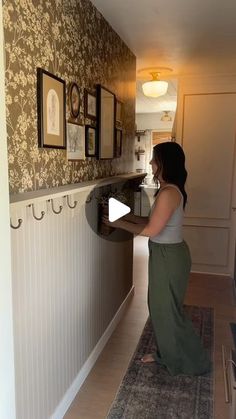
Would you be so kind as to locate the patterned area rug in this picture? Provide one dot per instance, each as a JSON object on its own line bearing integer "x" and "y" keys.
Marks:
{"x": 150, "y": 392}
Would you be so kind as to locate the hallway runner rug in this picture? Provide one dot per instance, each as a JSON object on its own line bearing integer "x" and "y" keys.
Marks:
{"x": 148, "y": 391}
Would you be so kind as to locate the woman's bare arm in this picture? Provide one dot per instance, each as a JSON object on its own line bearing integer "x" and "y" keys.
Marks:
{"x": 135, "y": 219}
{"x": 164, "y": 207}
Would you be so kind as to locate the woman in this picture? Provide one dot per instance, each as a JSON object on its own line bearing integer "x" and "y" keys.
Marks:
{"x": 179, "y": 348}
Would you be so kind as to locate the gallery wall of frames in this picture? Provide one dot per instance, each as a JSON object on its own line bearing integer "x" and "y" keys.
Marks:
{"x": 70, "y": 95}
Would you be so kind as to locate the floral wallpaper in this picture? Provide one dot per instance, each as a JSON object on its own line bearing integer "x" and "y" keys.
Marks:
{"x": 72, "y": 40}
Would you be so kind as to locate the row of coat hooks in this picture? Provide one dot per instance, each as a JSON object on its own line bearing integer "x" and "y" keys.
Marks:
{"x": 56, "y": 211}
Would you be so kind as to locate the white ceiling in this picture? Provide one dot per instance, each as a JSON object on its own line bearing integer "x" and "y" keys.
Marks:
{"x": 189, "y": 36}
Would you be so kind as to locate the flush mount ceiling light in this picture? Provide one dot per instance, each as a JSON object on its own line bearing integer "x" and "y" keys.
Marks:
{"x": 166, "y": 117}
{"x": 154, "y": 87}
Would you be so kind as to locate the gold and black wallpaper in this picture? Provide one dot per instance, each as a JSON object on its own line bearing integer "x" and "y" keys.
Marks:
{"x": 72, "y": 40}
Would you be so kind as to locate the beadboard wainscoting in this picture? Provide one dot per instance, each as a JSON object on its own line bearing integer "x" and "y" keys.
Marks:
{"x": 69, "y": 289}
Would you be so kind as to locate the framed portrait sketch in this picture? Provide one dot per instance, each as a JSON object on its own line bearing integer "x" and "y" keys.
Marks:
{"x": 74, "y": 100}
{"x": 90, "y": 141}
{"x": 51, "y": 100}
{"x": 90, "y": 105}
{"x": 75, "y": 141}
{"x": 119, "y": 108}
{"x": 106, "y": 122}
{"x": 118, "y": 143}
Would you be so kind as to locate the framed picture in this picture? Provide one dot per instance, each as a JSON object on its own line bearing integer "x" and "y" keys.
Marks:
{"x": 106, "y": 122}
{"x": 118, "y": 142}
{"x": 119, "y": 108}
{"x": 90, "y": 141}
{"x": 74, "y": 100}
{"x": 90, "y": 105}
{"x": 51, "y": 110}
{"x": 75, "y": 141}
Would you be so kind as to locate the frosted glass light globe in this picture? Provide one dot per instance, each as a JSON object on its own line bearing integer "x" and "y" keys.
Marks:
{"x": 155, "y": 88}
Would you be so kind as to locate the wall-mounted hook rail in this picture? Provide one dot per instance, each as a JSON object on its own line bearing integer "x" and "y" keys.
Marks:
{"x": 34, "y": 215}
{"x": 20, "y": 221}
{"x": 88, "y": 200}
{"x": 68, "y": 202}
{"x": 90, "y": 197}
{"x": 53, "y": 209}
{"x": 139, "y": 152}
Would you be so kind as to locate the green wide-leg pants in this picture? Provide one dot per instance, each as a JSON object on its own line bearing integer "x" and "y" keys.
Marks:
{"x": 179, "y": 347}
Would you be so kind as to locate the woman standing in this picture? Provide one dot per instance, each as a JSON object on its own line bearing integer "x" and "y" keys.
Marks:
{"x": 179, "y": 348}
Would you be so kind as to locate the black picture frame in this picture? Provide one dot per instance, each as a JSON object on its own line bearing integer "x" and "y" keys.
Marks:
{"x": 74, "y": 99}
{"x": 118, "y": 142}
{"x": 90, "y": 105}
{"x": 119, "y": 112}
{"x": 51, "y": 104}
{"x": 91, "y": 146}
{"x": 105, "y": 122}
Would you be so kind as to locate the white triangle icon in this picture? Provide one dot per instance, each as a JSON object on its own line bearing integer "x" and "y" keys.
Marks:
{"x": 116, "y": 209}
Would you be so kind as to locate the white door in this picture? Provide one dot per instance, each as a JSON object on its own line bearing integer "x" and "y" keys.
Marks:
{"x": 208, "y": 139}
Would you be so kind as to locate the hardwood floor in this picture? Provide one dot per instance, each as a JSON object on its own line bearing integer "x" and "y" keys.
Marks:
{"x": 99, "y": 389}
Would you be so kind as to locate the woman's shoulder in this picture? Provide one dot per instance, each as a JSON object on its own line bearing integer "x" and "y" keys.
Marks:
{"x": 171, "y": 192}
{"x": 170, "y": 187}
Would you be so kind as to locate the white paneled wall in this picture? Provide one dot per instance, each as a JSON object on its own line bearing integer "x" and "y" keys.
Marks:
{"x": 153, "y": 121}
{"x": 68, "y": 284}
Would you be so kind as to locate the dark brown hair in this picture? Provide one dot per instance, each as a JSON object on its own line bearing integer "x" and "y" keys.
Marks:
{"x": 170, "y": 159}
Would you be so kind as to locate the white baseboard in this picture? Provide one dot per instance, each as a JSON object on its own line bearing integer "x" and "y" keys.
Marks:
{"x": 85, "y": 370}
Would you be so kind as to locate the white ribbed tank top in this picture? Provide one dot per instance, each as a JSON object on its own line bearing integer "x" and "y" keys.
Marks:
{"x": 173, "y": 230}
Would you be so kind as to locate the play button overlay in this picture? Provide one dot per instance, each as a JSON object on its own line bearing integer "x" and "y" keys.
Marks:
{"x": 113, "y": 200}
{"x": 116, "y": 209}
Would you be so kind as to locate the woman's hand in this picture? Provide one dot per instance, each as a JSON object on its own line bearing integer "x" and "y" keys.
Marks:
{"x": 105, "y": 220}
{"x": 116, "y": 224}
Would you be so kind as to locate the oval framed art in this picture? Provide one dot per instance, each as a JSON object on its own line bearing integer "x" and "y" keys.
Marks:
{"x": 74, "y": 100}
